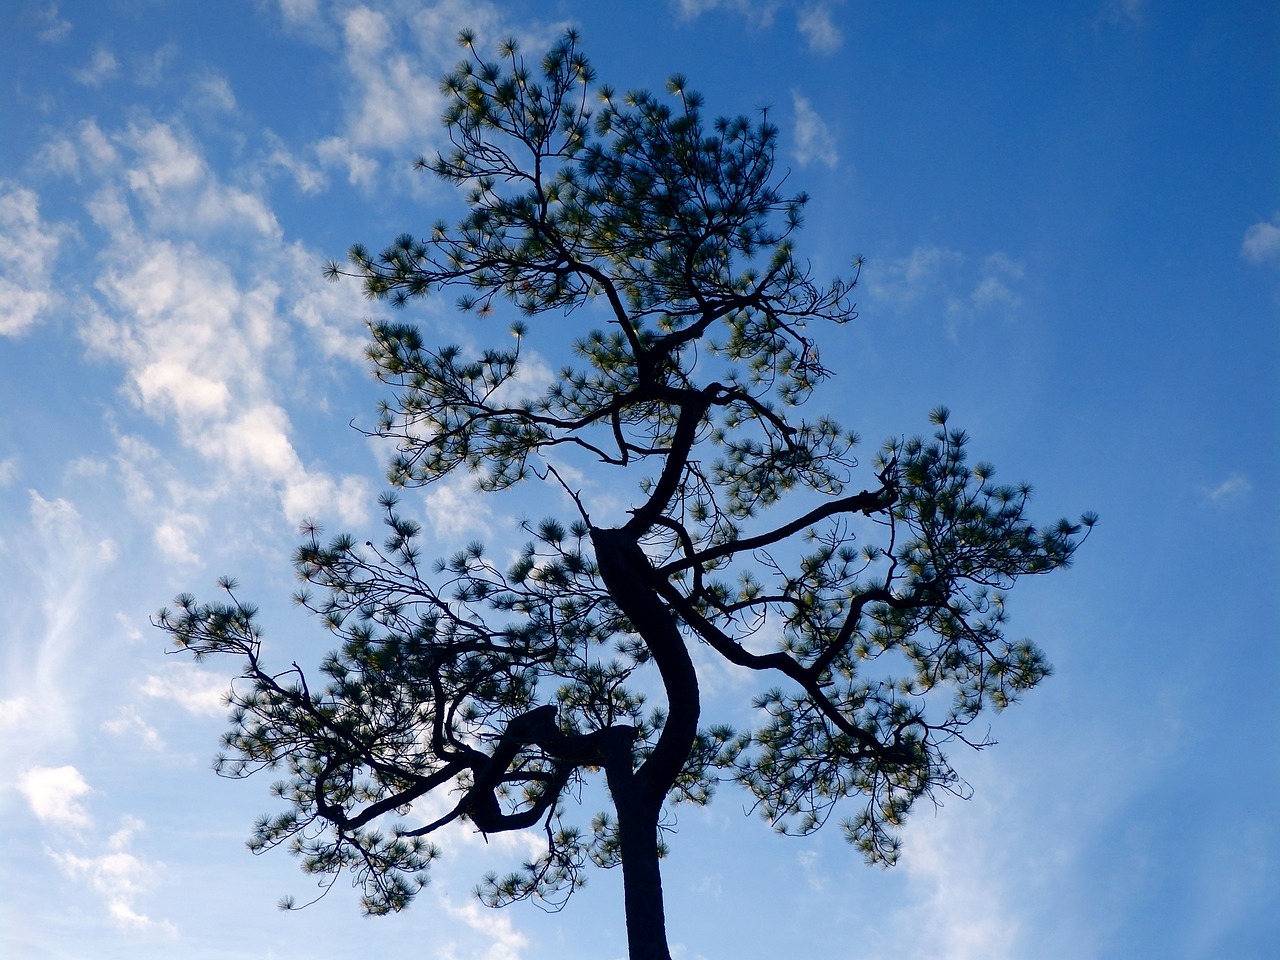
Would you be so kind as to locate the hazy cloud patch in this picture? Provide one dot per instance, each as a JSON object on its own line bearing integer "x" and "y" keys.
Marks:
{"x": 814, "y": 140}
{"x": 1261, "y": 242}
{"x": 901, "y": 281}
{"x": 117, "y": 875}
{"x": 64, "y": 556}
{"x": 300, "y": 12}
{"x": 1233, "y": 488}
{"x": 196, "y": 690}
{"x": 205, "y": 348}
{"x": 212, "y": 93}
{"x": 176, "y": 189}
{"x": 28, "y": 249}
{"x": 51, "y": 26}
{"x": 957, "y": 880}
{"x": 395, "y": 101}
{"x": 819, "y": 30}
{"x": 1132, "y": 12}
{"x": 759, "y": 13}
{"x": 456, "y": 510}
{"x": 130, "y": 724}
{"x": 307, "y": 178}
{"x": 100, "y": 68}
{"x": 152, "y": 70}
{"x": 505, "y": 942}
{"x": 964, "y": 291}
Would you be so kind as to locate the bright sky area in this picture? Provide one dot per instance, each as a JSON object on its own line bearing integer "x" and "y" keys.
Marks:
{"x": 1070, "y": 214}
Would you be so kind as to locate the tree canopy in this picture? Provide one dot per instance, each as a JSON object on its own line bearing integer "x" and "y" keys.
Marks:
{"x": 871, "y": 610}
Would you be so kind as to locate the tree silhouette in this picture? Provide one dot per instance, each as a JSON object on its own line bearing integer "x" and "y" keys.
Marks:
{"x": 874, "y": 618}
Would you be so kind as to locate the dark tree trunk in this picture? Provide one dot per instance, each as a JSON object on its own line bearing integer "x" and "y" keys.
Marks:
{"x": 641, "y": 874}
{"x": 638, "y": 794}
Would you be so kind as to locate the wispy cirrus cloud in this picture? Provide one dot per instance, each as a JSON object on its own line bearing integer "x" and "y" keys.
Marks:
{"x": 63, "y": 555}
{"x": 29, "y": 248}
{"x": 1234, "y": 488}
{"x": 966, "y": 288}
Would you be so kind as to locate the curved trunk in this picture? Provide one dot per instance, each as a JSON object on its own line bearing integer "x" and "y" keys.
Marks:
{"x": 638, "y": 794}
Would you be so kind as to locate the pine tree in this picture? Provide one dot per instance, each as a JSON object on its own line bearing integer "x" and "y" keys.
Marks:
{"x": 873, "y": 617}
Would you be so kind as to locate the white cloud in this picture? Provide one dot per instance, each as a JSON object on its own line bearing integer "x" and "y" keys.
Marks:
{"x": 150, "y": 71}
{"x": 435, "y": 28}
{"x": 958, "y": 877}
{"x": 212, "y": 92}
{"x": 57, "y": 156}
{"x": 172, "y": 538}
{"x": 992, "y": 288}
{"x": 63, "y": 557}
{"x": 397, "y": 102}
{"x": 759, "y": 13}
{"x": 1235, "y": 487}
{"x": 900, "y": 281}
{"x": 393, "y": 102}
{"x": 456, "y": 510}
{"x": 814, "y": 141}
{"x": 119, "y": 876}
{"x": 309, "y": 179}
{"x": 208, "y": 349}
{"x": 28, "y": 250}
{"x": 338, "y": 152}
{"x": 51, "y": 26}
{"x": 102, "y": 67}
{"x": 101, "y": 152}
{"x": 129, "y": 723}
{"x": 946, "y": 277}
{"x": 1262, "y": 241}
{"x": 194, "y": 689}
{"x": 60, "y": 524}
{"x": 299, "y": 12}
{"x": 8, "y": 471}
{"x": 176, "y": 189}
{"x": 325, "y": 309}
{"x": 505, "y": 942}
{"x": 816, "y": 26}
{"x": 54, "y": 793}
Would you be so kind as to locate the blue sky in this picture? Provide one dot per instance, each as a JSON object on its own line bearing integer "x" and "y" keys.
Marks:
{"x": 1071, "y": 219}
